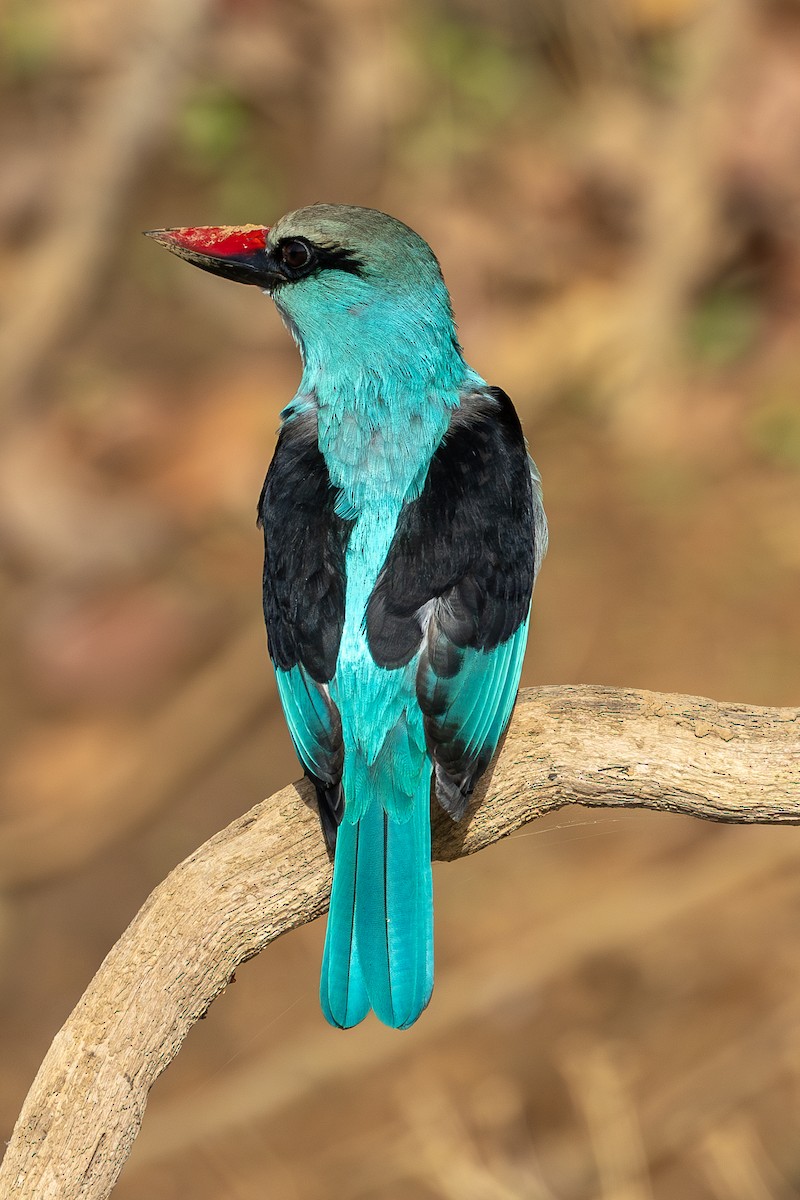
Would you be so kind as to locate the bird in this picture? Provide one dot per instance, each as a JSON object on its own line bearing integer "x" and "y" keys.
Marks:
{"x": 404, "y": 529}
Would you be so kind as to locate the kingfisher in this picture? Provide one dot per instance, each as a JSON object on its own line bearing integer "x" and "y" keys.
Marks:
{"x": 403, "y": 529}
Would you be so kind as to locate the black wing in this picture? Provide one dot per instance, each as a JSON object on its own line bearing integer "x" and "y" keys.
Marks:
{"x": 304, "y": 593}
{"x": 457, "y": 585}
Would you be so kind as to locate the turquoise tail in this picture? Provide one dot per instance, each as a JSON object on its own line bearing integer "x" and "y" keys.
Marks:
{"x": 379, "y": 942}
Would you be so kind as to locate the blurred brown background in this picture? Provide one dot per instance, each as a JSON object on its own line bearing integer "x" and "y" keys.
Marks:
{"x": 613, "y": 188}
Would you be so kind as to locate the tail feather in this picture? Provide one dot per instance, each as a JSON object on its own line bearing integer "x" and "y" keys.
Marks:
{"x": 342, "y": 993}
{"x": 379, "y": 944}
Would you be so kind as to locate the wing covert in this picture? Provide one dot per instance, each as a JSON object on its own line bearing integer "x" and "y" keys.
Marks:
{"x": 304, "y": 593}
{"x": 456, "y": 588}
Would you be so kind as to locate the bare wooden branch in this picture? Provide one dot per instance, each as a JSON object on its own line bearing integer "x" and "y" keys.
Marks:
{"x": 268, "y": 873}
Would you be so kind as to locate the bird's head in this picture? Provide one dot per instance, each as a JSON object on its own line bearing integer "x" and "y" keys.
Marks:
{"x": 347, "y": 281}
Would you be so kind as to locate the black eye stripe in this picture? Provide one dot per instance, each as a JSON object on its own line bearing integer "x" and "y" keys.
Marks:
{"x": 300, "y": 257}
{"x": 339, "y": 258}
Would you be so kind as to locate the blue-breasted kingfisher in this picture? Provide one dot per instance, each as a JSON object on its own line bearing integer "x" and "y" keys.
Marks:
{"x": 404, "y": 528}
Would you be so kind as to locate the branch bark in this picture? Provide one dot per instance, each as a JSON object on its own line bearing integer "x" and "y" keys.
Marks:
{"x": 268, "y": 873}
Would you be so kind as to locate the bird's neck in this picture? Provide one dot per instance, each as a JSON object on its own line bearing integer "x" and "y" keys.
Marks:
{"x": 384, "y": 388}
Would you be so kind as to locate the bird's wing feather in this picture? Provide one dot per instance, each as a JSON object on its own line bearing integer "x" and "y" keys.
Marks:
{"x": 456, "y": 588}
{"x": 304, "y": 592}
{"x": 466, "y": 714}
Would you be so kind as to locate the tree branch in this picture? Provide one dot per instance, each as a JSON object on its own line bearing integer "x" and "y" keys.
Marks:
{"x": 268, "y": 873}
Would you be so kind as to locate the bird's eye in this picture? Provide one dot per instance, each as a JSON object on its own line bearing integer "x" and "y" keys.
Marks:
{"x": 296, "y": 254}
